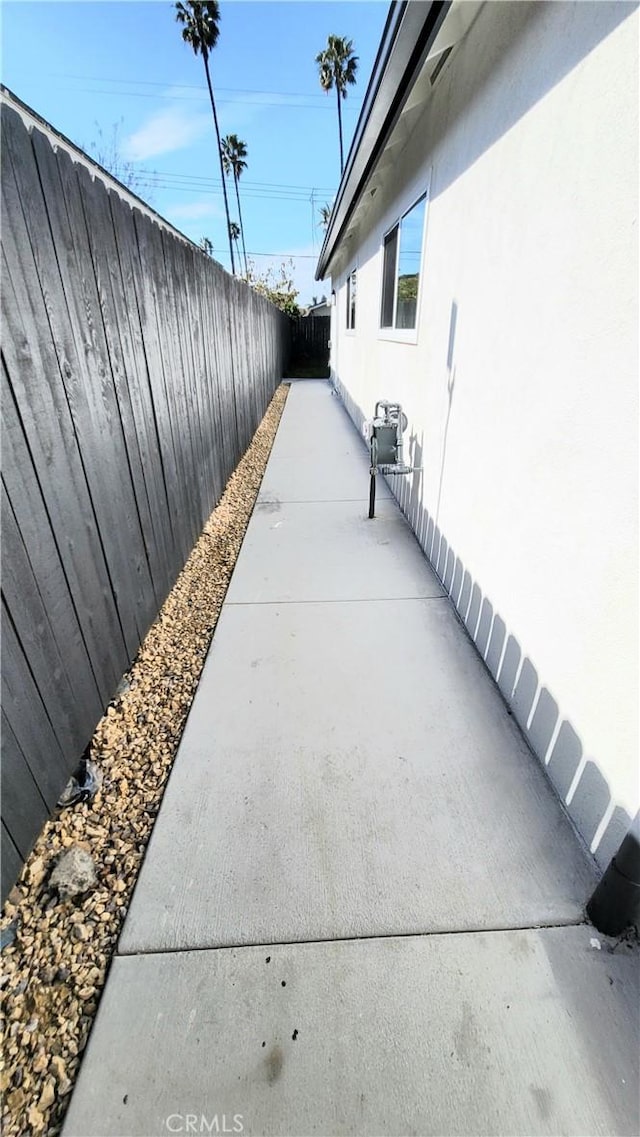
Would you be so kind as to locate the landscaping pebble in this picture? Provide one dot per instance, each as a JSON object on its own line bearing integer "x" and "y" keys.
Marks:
{"x": 56, "y": 946}
{"x": 74, "y": 874}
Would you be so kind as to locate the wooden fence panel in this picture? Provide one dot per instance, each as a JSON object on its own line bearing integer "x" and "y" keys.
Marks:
{"x": 183, "y": 419}
{"x": 11, "y": 861}
{"x": 34, "y": 349}
{"x": 45, "y": 562}
{"x": 153, "y": 444}
{"x": 21, "y": 798}
{"x": 92, "y": 397}
{"x": 134, "y": 373}
{"x": 28, "y": 718}
{"x": 208, "y": 391}
{"x": 104, "y": 258}
{"x": 310, "y": 340}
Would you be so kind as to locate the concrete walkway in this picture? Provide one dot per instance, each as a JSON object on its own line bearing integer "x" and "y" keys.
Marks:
{"x": 361, "y": 908}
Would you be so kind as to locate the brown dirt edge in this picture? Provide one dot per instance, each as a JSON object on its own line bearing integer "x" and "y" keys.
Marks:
{"x": 54, "y": 971}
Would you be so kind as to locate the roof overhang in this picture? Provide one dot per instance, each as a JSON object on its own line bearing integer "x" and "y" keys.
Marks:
{"x": 413, "y": 33}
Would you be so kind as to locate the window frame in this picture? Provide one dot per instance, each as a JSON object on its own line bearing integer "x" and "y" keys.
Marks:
{"x": 391, "y": 332}
{"x": 350, "y": 328}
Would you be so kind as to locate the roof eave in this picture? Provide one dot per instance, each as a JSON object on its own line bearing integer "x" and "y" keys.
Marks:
{"x": 409, "y": 32}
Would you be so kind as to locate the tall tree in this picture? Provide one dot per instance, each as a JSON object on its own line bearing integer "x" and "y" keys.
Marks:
{"x": 234, "y": 153}
{"x": 234, "y": 230}
{"x": 325, "y": 214}
{"x": 337, "y": 66}
{"x": 200, "y": 19}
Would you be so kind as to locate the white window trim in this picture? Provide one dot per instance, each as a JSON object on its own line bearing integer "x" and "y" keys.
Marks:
{"x": 404, "y": 335}
{"x": 399, "y": 335}
{"x": 347, "y": 330}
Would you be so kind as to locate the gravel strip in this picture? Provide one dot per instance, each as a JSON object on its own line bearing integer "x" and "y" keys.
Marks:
{"x": 54, "y": 970}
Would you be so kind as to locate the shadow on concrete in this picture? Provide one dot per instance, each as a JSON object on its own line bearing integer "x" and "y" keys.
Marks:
{"x": 577, "y": 780}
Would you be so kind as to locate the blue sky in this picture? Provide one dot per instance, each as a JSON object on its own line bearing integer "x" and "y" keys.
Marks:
{"x": 88, "y": 67}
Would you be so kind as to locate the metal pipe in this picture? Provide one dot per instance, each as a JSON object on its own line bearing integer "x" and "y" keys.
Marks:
{"x": 373, "y": 471}
{"x": 615, "y": 904}
{"x": 399, "y": 444}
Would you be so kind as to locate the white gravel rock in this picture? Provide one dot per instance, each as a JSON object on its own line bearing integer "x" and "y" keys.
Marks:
{"x": 74, "y": 874}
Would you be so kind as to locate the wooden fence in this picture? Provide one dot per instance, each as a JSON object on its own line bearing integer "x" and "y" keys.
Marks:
{"x": 134, "y": 374}
{"x": 309, "y": 342}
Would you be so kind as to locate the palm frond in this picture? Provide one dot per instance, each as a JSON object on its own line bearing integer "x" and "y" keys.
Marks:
{"x": 337, "y": 65}
{"x": 234, "y": 151}
{"x": 200, "y": 19}
{"x": 350, "y": 69}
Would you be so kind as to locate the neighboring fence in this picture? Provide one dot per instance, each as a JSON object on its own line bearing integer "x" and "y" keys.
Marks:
{"x": 135, "y": 372}
{"x": 309, "y": 343}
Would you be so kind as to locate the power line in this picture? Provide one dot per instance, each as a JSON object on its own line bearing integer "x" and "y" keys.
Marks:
{"x": 194, "y": 86}
{"x": 218, "y": 193}
{"x": 213, "y": 190}
{"x": 196, "y": 98}
{"x": 293, "y": 256}
{"x": 205, "y": 180}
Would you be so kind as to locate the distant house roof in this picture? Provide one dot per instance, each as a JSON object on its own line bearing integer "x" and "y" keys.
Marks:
{"x": 415, "y": 32}
{"x": 321, "y": 309}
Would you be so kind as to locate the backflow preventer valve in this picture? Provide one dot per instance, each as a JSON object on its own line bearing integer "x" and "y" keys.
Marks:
{"x": 385, "y": 432}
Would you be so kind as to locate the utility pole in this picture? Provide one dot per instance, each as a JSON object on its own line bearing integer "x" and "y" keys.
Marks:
{"x": 312, "y": 199}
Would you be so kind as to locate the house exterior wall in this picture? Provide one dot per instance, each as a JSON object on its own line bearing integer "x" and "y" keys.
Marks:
{"x": 521, "y": 387}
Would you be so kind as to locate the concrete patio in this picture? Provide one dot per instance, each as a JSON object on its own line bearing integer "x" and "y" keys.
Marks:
{"x": 361, "y": 910}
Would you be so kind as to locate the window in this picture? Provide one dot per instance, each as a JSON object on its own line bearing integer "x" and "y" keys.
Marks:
{"x": 351, "y": 300}
{"x": 401, "y": 269}
{"x": 389, "y": 277}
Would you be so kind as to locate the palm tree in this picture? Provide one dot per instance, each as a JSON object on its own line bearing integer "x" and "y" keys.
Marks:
{"x": 325, "y": 214}
{"x": 234, "y": 152}
{"x": 200, "y": 19}
{"x": 234, "y": 233}
{"x": 337, "y": 66}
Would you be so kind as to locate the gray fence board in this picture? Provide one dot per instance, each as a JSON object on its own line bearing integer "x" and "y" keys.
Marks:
{"x": 200, "y": 388}
{"x": 28, "y": 718}
{"x": 115, "y": 326}
{"x": 213, "y": 406}
{"x": 186, "y": 414}
{"x": 132, "y": 244}
{"x": 11, "y": 861}
{"x": 92, "y": 398}
{"x": 158, "y": 537}
{"x": 30, "y": 353}
{"x": 23, "y": 490}
{"x": 21, "y": 798}
{"x": 134, "y": 373}
{"x": 31, "y": 622}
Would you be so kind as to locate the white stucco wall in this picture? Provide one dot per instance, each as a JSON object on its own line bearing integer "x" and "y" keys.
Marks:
{"x": 528, "y": 500}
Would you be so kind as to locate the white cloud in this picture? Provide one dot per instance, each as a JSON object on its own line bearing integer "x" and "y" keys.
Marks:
{"x": 240, "y": 112}
{"x": 187, "y": 93}
{"x": 171, "y": 129}
{"x": 183, "y": 121}
{"x": 193, "y": 210}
